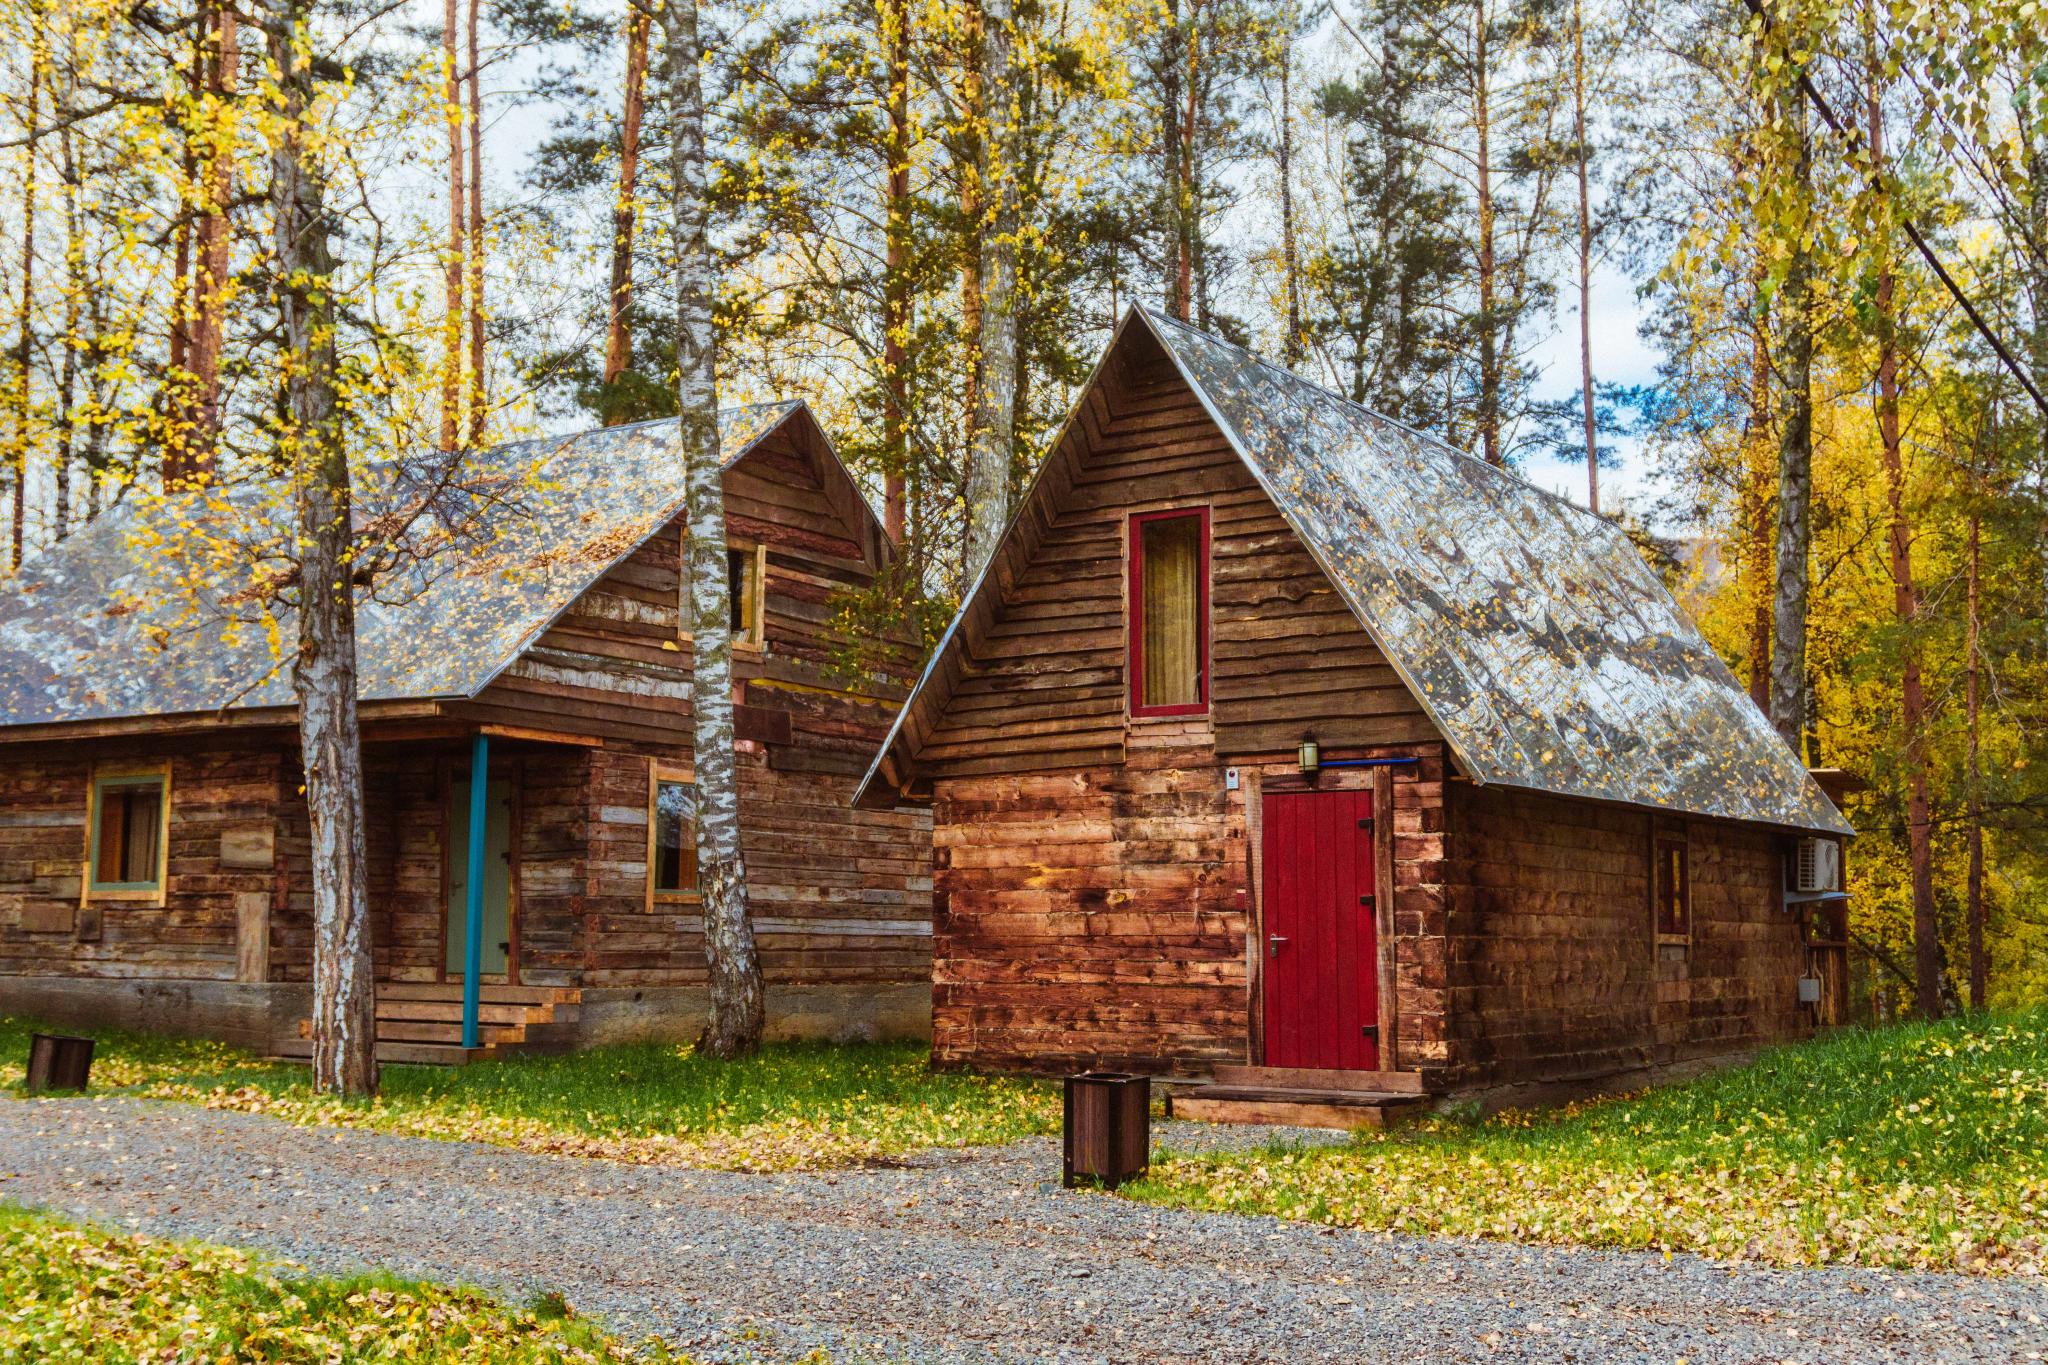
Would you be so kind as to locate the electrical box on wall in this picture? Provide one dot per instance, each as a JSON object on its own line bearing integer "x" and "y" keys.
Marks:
{"x": 1230, "y": 779}
{"x": 1816, "y": 866}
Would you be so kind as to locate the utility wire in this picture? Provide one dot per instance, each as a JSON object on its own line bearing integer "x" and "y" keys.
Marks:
{"x": 1876, "y": 181}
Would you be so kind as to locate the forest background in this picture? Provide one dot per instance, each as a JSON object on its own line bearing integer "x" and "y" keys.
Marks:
{"x": 1659, "y": 256}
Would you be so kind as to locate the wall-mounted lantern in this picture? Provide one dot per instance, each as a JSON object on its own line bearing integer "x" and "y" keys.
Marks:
{"x": 1311, "y": 757}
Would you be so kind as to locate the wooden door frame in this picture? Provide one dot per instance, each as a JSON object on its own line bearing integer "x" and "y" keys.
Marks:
{"x": 1256, "y": 782}
{"x": 515, "y": 772}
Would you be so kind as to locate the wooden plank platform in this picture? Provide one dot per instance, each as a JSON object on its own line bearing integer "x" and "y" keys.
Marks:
{"x": 1301, "y": 1078}
{"x": 1297, "y": 1107}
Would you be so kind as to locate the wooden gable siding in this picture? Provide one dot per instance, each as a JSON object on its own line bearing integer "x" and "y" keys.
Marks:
{"x": 1554, "y": 967}
{"x": 1044, "y": 685}
{"x": 615, "y": 666}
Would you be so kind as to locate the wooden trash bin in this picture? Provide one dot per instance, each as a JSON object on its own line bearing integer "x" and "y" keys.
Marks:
{"x": 57, "y": 1061}
{"x": 1108, "y": 1128}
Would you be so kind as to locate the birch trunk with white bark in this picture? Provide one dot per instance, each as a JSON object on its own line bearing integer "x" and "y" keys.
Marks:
{"x": 324, "y": 671}
{"x": 736, "y": 1016}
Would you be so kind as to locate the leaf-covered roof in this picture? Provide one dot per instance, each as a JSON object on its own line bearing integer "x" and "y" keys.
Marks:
{"x": 108, "y": 624}
{"x": 1547, "y": 653}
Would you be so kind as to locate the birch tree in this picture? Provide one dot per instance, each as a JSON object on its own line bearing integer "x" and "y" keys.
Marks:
{"x": 734, "y": 1026}
{"x": 324, "y": 668}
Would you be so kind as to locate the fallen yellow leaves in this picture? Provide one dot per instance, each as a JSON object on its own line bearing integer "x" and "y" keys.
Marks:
{"x": 76, "y": 1293}
{"x": 1922, "y": 1147}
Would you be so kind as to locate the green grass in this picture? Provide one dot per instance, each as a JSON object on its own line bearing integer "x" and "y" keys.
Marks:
{"x": 72, "y": 1292}
{"x": 795, "y": 1105}
{"x": 1919, "y": 1145}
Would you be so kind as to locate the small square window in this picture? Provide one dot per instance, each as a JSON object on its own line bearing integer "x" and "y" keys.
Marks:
{"x": 1169, "y": 645}
{"x": 128, "y": 832}
{"x": 1672, "y": 893}
{"x": 672, "y": 838}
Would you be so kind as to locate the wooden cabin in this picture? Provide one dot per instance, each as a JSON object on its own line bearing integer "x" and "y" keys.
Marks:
{"x": 154, "y": 861}
{"x": 1283, "y": 745}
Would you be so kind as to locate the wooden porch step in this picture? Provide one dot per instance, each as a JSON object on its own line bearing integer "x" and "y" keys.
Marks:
{"x": 1303, "y": 1078}
{"x": 424, "y": 1011}
{"x": 395, "y": 1053}
{"x": 1296, "y": 1107}
{"x": 421, "y": 1022}
{"x": 488, "y": 992}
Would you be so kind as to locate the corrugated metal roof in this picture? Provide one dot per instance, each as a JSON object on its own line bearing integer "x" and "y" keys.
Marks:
{"x": 1546, "y": 651}
{"x": 92, "y": 629}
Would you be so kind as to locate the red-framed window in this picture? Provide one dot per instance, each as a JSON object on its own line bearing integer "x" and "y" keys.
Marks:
{"x": 1169, "y": 641}
{"x": 1671, "y": 887}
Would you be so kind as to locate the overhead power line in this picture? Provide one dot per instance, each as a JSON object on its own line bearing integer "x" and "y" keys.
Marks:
{"x": 1876, "y": 180}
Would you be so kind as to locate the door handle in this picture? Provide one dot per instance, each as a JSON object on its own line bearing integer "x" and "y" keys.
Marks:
{"x": 1273, "y": 942}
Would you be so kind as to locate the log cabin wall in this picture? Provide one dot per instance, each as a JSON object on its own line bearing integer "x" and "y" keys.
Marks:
{"x": 839, "y": 896}
{"x": 1093, "y": 884}
{"x": 1556, "y": 970}
{"x": 219, "y": 799}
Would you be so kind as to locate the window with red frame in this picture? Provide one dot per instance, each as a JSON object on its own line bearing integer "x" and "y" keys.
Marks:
{"x": 1169, "y": 645}
{"x": 1673, "y": 890}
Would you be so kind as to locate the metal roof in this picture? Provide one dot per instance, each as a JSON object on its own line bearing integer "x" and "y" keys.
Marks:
{"x": 1547, "y": 653}
{"x": 96, "y": 628}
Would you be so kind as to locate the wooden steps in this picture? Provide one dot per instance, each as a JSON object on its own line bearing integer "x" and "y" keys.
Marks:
{"x": 1305, "y": 1099}
{"x": 420, "y": 1023}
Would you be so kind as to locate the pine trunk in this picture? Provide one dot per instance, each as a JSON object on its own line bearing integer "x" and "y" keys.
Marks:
{"x": 24, "y": 322}
{"x": 1582, "y": 159}
{"x": 736, "y": 1017}
{"x": 1973, "y": 913}
{"x": 1190, "y": 283}
{"x": 618, "y": 336}
{"x": 455, "y": 264}
{"x": 214, "y": 240}
{"x": 897, "y": 285}
{"x": 324, "y": 671}
{"x": 1927, "y": 955}
{"x": 1490, "y": 378}
{"x": 972, "y": 97}
{"x": 988, "y": 460}
{"x": 1795, "y": 459}
{"x": 1172, "y": 63}
{"x": 478, "y": 398}
{"x": 1293, "y": 346}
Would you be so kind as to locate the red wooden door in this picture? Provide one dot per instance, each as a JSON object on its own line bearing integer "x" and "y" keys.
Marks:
{"x": 1321, "y": 973}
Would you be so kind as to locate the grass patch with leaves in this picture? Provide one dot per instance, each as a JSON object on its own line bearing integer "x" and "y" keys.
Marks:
{"x": 74, "y": 1292}
{"x": 1920, "y": 1145}
{"x": 794, "y": 1106}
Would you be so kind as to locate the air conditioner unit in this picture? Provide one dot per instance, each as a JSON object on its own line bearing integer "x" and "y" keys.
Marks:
{"x": 1816, "y": 866}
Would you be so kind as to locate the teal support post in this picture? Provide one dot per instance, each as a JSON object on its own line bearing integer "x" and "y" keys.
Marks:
{"x": 473, "y": 912}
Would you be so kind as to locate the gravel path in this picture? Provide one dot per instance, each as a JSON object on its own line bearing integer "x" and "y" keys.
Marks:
{"x": 964, "y": 1256}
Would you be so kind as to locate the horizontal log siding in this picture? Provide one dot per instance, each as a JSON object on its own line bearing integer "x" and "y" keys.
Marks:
{"x": 1555, "y": 973}
{"x": 837, "y": 895}
{"x": 43, "y": 842}
{"x": 1091, "y": 918}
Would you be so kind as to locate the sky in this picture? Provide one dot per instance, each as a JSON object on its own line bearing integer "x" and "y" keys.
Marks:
{"x": 1620, "y": 356}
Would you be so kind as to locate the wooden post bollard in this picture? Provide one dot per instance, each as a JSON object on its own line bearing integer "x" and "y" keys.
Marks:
{"x": 57, "y": 1061}
{"x": 1108, "y": 1128}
